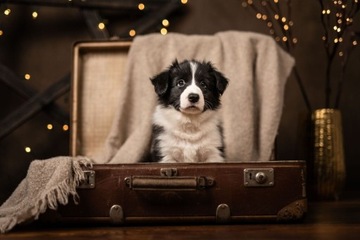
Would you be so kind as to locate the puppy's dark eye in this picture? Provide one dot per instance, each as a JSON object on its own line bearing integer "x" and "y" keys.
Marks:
{"x": 203, "y": 84}
{"x": 180, "y": 83}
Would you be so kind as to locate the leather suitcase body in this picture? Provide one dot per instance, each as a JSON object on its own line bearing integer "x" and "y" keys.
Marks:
{"x": 216, "y": 192}
{"x": 152, "y": 192}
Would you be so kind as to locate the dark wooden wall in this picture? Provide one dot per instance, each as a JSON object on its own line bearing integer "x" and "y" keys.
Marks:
{"x": 43, "y": 48}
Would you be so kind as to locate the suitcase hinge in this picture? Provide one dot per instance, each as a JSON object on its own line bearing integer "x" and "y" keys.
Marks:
{"x": 89, "y": 180}
{"x": 223, "y": 213}
{"x": 168, "y": 172}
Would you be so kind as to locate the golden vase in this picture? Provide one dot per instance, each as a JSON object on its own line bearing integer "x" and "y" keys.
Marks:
{"x": 328, "y": 175}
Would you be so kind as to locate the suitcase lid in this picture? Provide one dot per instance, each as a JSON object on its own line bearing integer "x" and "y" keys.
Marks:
{"x": 100, "y": 66}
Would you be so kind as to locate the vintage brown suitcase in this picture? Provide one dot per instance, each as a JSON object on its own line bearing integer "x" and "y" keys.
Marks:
{"x": 151, "y": 192}
{"x": 216, "y": 192}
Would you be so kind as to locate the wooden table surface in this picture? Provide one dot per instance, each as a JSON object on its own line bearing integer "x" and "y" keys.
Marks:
{"x": 325, "y": 220}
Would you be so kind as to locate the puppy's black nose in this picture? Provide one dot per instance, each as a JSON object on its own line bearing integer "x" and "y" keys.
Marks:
{"x": 193, "y": 97}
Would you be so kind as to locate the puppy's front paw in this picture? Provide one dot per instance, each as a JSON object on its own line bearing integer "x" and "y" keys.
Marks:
{"x": 168, "y": 161}
{"x": 215, "y": 160}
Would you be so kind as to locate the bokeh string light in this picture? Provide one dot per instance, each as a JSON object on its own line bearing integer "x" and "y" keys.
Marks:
{"x": 27, "y": 149}
{"x": 7, "y": 12}
{"x": 278, "y": 20}
{"x": 34, "y": 14}
{"x": 101, "y": 25}
{"x": 164, "y": 23}
{"x": 337, "y": 17}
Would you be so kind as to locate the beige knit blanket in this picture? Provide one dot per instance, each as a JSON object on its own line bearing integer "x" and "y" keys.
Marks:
{"x": 251, "y": 106}
{"x": 257, "y": 69}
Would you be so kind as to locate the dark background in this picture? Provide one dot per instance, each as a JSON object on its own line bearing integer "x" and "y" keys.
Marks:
{"x": 42, "y": 47}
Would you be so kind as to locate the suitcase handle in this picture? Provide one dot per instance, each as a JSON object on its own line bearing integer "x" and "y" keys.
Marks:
{"x": 163, "y": 183}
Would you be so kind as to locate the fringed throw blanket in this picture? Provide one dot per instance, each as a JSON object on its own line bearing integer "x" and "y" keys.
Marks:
{"x": 48, "y": 183}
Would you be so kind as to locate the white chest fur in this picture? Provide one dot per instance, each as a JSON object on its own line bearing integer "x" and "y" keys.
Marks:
{"x": 189, "y": 138}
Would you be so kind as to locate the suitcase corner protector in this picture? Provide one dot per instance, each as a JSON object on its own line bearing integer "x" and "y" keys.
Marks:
{"x": 293, "y": 211}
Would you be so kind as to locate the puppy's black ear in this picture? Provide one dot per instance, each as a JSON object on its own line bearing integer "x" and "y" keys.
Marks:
{"x": 161, "y": 82}
{"x": 221, "y": 81}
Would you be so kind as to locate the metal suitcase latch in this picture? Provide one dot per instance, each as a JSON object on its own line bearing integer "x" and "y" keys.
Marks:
{"x": 258, "y": 177}
{"x": 89, "y": 181}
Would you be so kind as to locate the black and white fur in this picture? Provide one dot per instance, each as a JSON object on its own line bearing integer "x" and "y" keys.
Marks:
{"x": 186, "y": 122}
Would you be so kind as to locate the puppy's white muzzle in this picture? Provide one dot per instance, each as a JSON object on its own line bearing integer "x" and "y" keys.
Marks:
{"x": 192, "y": 100}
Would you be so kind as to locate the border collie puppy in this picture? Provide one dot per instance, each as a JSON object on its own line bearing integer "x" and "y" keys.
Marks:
{"x": 186, "y": 122}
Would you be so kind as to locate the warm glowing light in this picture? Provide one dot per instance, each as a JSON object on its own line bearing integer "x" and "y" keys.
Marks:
{"x": 141, "y": 6}
{"x": 165, "y": 22}
{"x": 348, "y": 20}
{"x": 284, "y": 39}
{"x": 1, "y": 32}
{"x": 65, "y": 127}
{"x": 184, "y": 1}
{"x": 276, "y": 16}
{"x": 132, "y": 33}
{"x": 163, "y": 31}
{"x": 101, "y": 26}
{"x": 27, "y": 149}
{"x": 286, "y": 27}
{"x": 264, "y": 17}
{"x": 355, "y": 43}
{"x": 49, "y": 126}
{"x": 27, "y": 76}
{"x": 35, "y": 15}
{"x": 283, "y": 19}
{"x": 7, "y": 11}
{"x": 258, "y": 15}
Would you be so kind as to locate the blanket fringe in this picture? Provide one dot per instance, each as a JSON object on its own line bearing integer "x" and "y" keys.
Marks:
{"x": 52, "y": 198}
{"x": 7, "y": 223}
{"x": 60, "y": 194}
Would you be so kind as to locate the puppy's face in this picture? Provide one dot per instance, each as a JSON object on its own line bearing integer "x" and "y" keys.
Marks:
{"x": 191, "y": 87}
